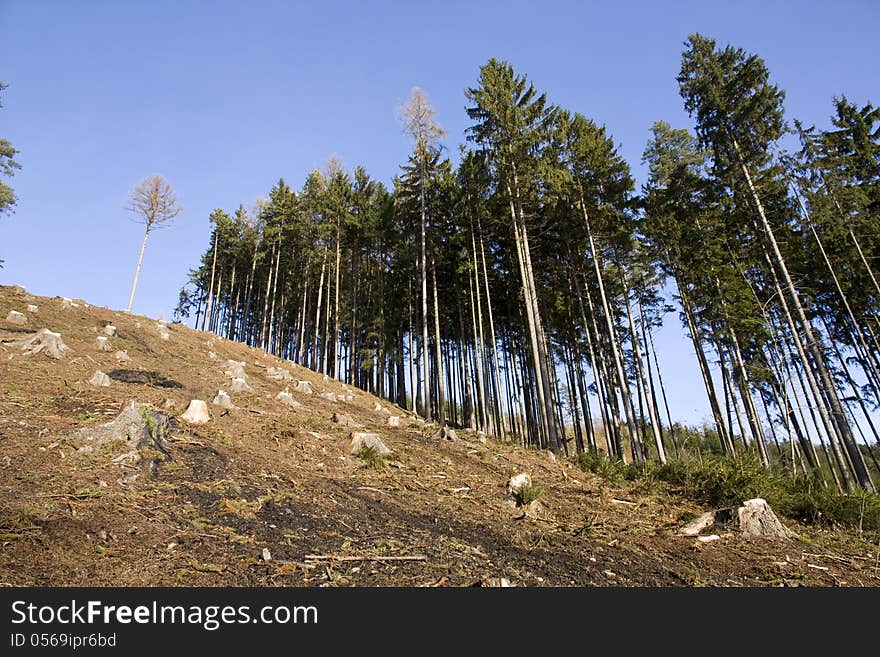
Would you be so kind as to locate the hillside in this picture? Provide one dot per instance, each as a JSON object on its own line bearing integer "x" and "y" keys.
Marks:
{"x": 268, "y": 495}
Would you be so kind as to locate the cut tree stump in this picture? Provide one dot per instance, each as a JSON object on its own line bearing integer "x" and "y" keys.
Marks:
{"x": 103, "y": 343}
{"x": 100, "y": 379}
{"x": 137, "y": 425}
{"x": 15, "y": 317}
{"x": 222, "y": 400}
{"x": 287, "y": 399}
{"x": 31, "y": 308}
{"x": 445, "y": 433}
{"x": 45, "y": 341}
{"x": 304, "y": 387}
{"x": 698, "y": 524}
{"x": 122, "y": 357}
{"x": 361, "y": 440}
{"x": 196, "y": 413}
{"x": 235, "y": 369}
{"x": 517, "y": 482}
{"x": 109, "y": 330}
{"x": 344, "y": 420}
{"x": 756, "y": 518}
{"x": 239, "y": 384}
{"x": 278, "y": 374}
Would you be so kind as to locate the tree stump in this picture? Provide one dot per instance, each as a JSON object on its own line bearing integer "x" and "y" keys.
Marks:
{"x": 45, "y": 341}
{"x": 196, "y": 413}
{"x": 287, "y": 399}
{"x": 239, "y": 384}
{"x": 223, "y": 400}
{"x": 15, "y": 317}
{"x": 100, "y": 379}
{"x": 361, "y": 440}
{"x": 756, "y": 518}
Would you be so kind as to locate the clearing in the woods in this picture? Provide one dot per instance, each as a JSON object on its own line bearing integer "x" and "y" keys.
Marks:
{"x": 268, "y": 493}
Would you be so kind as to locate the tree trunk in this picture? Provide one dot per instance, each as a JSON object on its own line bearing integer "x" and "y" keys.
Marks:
{"x": 137, "y": 270}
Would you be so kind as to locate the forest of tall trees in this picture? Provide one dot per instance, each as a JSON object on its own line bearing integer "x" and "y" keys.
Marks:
{"x": 517, "y": 292}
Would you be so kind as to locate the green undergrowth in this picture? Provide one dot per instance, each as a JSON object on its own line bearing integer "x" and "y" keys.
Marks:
{"x": 719, "y": 482}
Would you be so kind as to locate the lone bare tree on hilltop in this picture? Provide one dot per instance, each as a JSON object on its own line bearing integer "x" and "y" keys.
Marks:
{"x": 155, "y": 205}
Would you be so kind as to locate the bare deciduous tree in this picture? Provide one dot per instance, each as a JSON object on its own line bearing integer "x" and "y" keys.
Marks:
{"x": 155, "y": 205}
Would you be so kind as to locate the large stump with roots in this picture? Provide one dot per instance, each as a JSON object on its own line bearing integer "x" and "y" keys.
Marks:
{"x": 138, "y": 426}
{"x": 44, "y": 341}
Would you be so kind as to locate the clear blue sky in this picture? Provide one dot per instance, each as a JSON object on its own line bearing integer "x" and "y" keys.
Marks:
{"x": 223, "y": 98}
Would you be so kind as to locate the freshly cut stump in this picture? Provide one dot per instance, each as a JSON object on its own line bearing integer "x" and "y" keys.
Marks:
{"x": 15, "y": 317}
{"x": 287, "y": 399}
{"x": 239, "y": 384}
{"x": 103, "y": 343}
{"x": 45, "y": 341}
{"x": 445, "y": 433}
{"x": 196, "y": 413}
{"x": 304, "y": 387}
{"x": 110, "y": 330}
{"x": 31, "y": 308}
{"x": 329, "y": 396}
{"x": 163, "y": 331}
{"x": 279, "y": 374}
{"x": 100, "y": 379}
{"x": 223, "y": 400}
{"x": 756, "y": 518}
{"x": 517, "y": 482}
{"x": 361, "y": 440}
{"x": 122, "y": 357}
{"x": 394, "y": 421}
{"x": 344, "y": 420}
{"x": 234, "y": 369}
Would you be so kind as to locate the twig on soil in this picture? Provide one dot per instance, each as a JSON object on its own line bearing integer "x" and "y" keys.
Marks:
{"x": 375, "y": 490}
{"x": 337, "y": 557}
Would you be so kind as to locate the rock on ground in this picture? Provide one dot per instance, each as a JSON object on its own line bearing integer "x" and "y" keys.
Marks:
{"x": 15, "y": 317}
{"x": 223, "y": 400}
{"x": 239, "y": 384}
{"x": 361, "y": 440}
{"x": 31, "y": 308}
{"x": 100, "y": 379}
{"x": 196, "y": 413}
{"x": 45, "y": 341}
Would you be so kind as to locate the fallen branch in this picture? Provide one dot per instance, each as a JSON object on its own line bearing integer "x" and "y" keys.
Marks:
{"x": 336, "y": 557}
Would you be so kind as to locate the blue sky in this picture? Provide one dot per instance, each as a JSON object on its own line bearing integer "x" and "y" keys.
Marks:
{"x": 223, "y": 98}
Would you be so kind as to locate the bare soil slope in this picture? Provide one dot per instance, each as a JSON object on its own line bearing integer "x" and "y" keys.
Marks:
{"x": 265, "y": 480}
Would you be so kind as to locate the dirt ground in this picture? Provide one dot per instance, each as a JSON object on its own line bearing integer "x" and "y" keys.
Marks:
{"x": 267, "y": 477}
